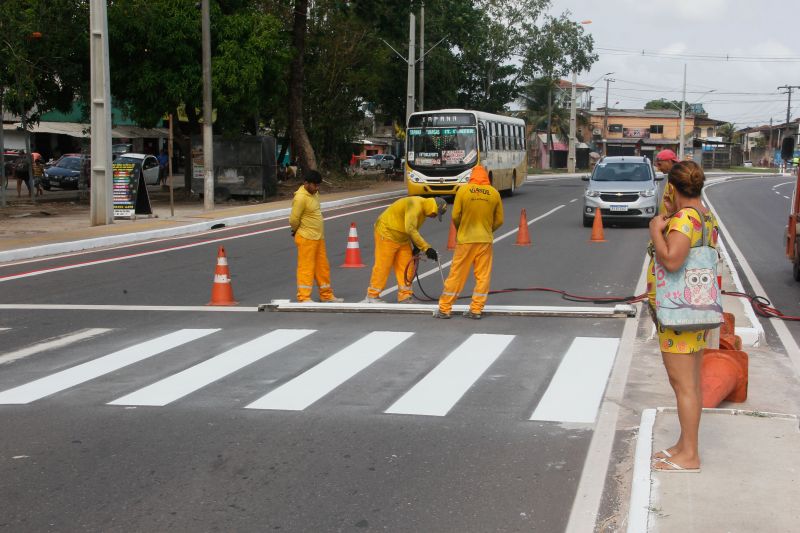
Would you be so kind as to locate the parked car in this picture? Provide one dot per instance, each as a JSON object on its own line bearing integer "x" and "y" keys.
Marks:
{"x": 748, "y": 163}
{"x": 624, "y": 188}
{"x": 378, "y": 161}
{"x": 65, "y": 173}
{"x": 119, "y": 149}
{"x": 145, "y": 163}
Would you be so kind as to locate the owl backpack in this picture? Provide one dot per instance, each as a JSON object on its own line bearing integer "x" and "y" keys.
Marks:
{"x": 690, "y": 297}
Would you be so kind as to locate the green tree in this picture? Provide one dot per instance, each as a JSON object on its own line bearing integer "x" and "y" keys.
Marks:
{"x": 727, "y": 131}
{"x": 665, "y": 104}
{"x": 43, "y": 56}
{"x": 156, "y": 64}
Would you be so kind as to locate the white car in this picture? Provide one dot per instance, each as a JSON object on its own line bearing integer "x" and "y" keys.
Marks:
{"x": 147, "y": 164}
{"x": 378, "y": 161}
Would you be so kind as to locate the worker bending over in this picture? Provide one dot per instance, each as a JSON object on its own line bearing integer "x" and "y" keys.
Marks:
{"x": 309, "y": 236}
{"x": 395, "y": 231}
{"x": 477, "y": 213}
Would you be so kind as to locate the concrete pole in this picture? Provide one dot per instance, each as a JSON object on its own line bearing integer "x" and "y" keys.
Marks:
{"x": 550, "y": 126}
{"x": 208, "y": 130}
{"x": 2, "y": 156}
{"x": 605, "y": 121}
{"x": 572, "y": 126}
{"x": 412, "y": 22}
{"x": 101, "y": 210}
{"x": 683, "y": 116}
{"x": 421, "y": 99}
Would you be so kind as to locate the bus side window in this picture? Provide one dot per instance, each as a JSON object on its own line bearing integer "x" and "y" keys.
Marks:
{"x": 496, "y": 135}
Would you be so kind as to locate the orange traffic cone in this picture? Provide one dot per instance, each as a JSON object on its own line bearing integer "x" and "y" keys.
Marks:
{"x": 352, "y": 256}
{"x": 451, "y": 239}
{"x": 222, "y": 291}
{"x": 523, "y": 237}
{"x": 597, "y": 227}
{"x": 723, "y": 376}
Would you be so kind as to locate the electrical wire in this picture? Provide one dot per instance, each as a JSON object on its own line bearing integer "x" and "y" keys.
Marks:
{"x": 760, "y": 304}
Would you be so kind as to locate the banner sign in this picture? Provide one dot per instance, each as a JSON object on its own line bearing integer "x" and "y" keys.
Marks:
{"x": 124, "y": 190}
{"x": 641, "y": 133}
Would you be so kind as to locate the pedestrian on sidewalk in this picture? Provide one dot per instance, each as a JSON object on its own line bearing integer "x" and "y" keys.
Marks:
{"x": 38, "y": 175}
{"x": 477, "y": 214}
{"x": 681, "y": 351}
{"x": 163, "y": 166}
{"x": 309, "y": 236}
{"x": 665, "y": 160}
{"x": 396, "y": 238}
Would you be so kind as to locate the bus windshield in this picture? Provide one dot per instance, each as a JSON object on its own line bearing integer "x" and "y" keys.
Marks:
{"x": 442, "y": 147}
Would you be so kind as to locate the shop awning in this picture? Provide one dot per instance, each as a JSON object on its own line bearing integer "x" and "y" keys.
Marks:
{"x": 80, "y": 130}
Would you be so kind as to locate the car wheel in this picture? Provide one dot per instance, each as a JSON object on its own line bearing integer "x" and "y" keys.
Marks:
{"x": 513, "y": 188}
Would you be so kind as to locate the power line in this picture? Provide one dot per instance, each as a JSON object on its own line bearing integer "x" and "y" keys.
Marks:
{"x": 700, "y": 57}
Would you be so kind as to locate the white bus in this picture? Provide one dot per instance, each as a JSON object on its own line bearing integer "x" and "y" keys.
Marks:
{"x": 443, "y": 145}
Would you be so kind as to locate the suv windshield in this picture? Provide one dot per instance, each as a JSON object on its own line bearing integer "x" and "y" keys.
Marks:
{"x": 442, "y": 147}
{"x": 621, "y": 172}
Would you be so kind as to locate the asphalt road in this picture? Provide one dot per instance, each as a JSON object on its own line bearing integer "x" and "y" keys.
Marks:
{"x": 755, "y": 212}
{"x": 199, "y": 421}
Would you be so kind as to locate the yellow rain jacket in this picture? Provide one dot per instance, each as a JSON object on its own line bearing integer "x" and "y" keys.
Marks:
{"x": 477, "y": 209}
{"x": 306, "y": 216}
{"x": 400, "y": 222}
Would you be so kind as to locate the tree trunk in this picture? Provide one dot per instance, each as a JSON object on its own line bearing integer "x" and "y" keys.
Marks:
{"x": 305, "y": 152}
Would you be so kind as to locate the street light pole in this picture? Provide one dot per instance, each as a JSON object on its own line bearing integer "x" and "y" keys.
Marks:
{"x": 208, "y": 130}
{"x": 683, "y": 116}
{"x": 572, "y": 127}
{"x": 101, "y": 207}
{"x": 410, "y": 81}
{"x": 605, "y": 119}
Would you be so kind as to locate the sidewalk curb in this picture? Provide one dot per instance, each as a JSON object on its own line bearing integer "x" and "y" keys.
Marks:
{"x": 126, "y": 238}
{"x": 643, "y": 481}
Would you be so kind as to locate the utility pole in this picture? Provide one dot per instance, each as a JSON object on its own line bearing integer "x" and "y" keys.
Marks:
{"x": 549, "y": 126}
{"x": 572, "y": 126}
{"x": 683, "y": 116}
{"x": 208, "y": 130}
{"x": 101, "y": 207}
{"x": 421, "y": 100}
{"x": 769, "y": 147}
{"x": 789, "y": 89}
{"x": 2, "y": 156}
{"x": 605, "y": 119}
{"x": 412, "y": 22}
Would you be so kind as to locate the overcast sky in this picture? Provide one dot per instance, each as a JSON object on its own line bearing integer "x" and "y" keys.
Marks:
{"x": 762, "y": 32}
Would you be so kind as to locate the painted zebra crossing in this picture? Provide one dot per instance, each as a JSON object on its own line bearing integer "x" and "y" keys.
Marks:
{"x": 573, "y": 394}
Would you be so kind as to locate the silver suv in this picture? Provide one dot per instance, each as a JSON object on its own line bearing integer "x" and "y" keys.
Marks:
{"x": 624, "y": 188}
{"x": 378, "y": 161}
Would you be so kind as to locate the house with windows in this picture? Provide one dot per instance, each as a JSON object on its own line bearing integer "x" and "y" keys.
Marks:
{"x": 637, "y": 131}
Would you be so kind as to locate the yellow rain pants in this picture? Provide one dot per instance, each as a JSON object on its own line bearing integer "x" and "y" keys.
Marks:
{"x": 312, "y": 264}
{"x": 479, "y": 256}
{"x": 388, "y": 255}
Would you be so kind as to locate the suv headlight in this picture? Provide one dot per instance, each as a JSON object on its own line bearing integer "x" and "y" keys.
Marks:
{"x": 592, "y": 194}
{"x": 648, "y": 193}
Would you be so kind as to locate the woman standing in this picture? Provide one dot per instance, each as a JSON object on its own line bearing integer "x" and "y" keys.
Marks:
{"x": 682, "y": 351}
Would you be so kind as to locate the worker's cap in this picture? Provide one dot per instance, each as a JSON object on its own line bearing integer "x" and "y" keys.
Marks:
{"x": 441, "y": 207}
{"x": 667, "y": 155}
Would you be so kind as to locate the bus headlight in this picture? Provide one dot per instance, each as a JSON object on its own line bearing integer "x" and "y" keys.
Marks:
{"x": 464, "y": 176}
{"x": 414, "y": 177}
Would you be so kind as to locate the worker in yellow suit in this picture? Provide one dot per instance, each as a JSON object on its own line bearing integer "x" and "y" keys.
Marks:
{"x": 396, "y": 230}
{"x": 309, "y": 236}
{"x": 477, "y": 213}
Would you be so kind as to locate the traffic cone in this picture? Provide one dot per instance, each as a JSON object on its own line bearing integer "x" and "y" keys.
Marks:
{"x": 352, "y": 256}
{"x": 222, "y": 291}
{"x": 451, "y": 239}
{"x": 723, "y": 376}
{"x": 523, "y": 237}
{"x": 597, "y": 227}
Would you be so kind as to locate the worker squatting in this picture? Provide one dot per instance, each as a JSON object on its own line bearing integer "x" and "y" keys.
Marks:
{"x": 477, "y": 214}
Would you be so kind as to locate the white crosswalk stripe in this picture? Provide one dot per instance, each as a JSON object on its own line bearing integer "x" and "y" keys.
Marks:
{"x": 179, "y": 385}
{"x": 92, "y": 369}
{"x": 575, "y": 392}
{"x": 312, "y": 385}
{"x": 50, "y": 344}
{"x": 439, "y": 391}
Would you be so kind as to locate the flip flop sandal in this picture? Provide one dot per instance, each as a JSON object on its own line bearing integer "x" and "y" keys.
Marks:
{"x": 666, "y": 453}
{"x": 674, "y": 467}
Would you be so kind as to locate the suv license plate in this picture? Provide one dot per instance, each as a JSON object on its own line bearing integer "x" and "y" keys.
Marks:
{"x": 619, "y": 207}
